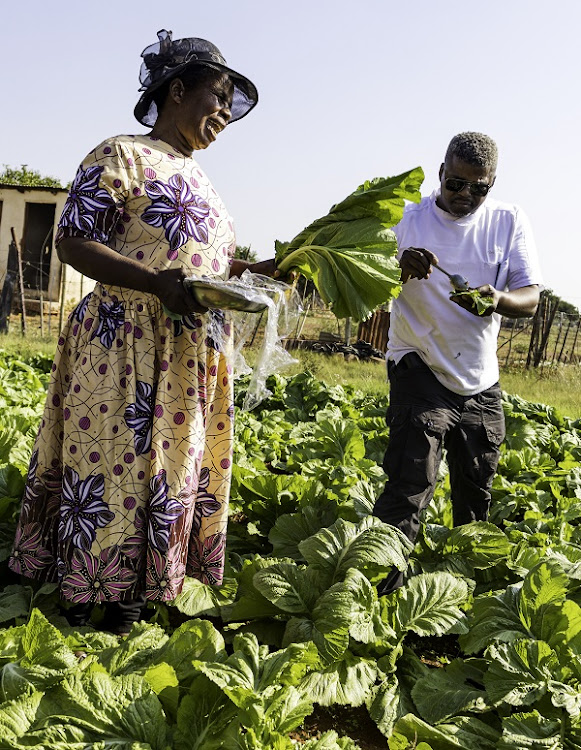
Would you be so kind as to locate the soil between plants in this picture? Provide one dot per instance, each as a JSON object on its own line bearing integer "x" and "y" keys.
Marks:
{"x": 347, "y": 722}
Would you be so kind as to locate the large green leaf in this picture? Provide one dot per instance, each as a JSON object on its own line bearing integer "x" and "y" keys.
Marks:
{"x": 460, "y": 732}
{"x": 429, "y": 604}
{"x": 520, "y": 672}
{"x": 206, "y": 718}
{"x": 18, "y": 716}
{"x": 289, "y": 587}
{"x": 197, "y": 598}
{"x": 493, "y": 618}
{"x": 136, "y": 652}
{"x": 293, "y": 528}
{"x": 524, "y": 731}
{"x": 457, "y": 689}
{"x": 545, "y": 585}
{"x": 102, "y": 706}
{"x": 194, "y": 639}
{"x": 349, "y": 253}
{"x": 346, "y": 682}
{"x": 370, "y": 546}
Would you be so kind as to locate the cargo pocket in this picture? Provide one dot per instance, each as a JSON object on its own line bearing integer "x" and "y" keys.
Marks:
{"x": 415, "y": 448}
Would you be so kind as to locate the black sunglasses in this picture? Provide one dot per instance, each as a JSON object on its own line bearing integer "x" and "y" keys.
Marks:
{"x": 456, "y": 185}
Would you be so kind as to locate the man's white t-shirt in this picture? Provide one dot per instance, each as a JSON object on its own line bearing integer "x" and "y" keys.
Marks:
{"x": 494, "y": 245}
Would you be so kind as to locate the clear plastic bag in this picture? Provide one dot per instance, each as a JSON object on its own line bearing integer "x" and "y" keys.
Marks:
{"x": 279, "y": 302}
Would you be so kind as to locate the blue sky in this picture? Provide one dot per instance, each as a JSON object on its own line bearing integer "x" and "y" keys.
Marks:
{"x": 348, "y": 91}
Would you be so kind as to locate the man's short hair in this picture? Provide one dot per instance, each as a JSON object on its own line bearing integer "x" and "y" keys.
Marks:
{"x": 474, "y": 148}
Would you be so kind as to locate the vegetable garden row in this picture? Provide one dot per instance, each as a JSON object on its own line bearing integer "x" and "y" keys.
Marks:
{"x": 481, "y": 649}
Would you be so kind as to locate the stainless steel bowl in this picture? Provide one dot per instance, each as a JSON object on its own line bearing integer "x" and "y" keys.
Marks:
{"x": 219, "y": 295}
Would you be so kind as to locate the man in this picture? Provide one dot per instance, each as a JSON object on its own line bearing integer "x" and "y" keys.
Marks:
{"x": 442, "y": 362}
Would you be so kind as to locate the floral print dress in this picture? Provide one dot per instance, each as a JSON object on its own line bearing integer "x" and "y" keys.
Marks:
{"x": 128, "y": 485}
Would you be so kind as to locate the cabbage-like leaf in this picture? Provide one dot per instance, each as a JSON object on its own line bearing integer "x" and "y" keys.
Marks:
{"x": 17, "y": 716}
{"x": 546, "y": 584}
{"x": 520, "y": 673}
{"x": 289, "y": 587}
{"x": 524, "y": 731}
{"x": 461, "y": 732}
{"x": 429, "y": 604}
{"x": 493, "y": 618}
{"x": 206, "y": 719}
{"x": 370, "y": 546}
{"x": 136, "y": 652}
{"x": 346, "y": 682}
{"x": 197, "y": 598}
{"x": 350, "y": 253}
{"x": 293, "y": 528}
{"x": 102, "y": 706}
{"x": 444, "y": 693}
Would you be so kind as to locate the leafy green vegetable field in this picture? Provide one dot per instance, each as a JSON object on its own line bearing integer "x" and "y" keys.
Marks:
{"x": 481, "y": 649}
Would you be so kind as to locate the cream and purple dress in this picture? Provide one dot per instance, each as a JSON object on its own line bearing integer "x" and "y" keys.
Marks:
{"x": 128, "y": 484}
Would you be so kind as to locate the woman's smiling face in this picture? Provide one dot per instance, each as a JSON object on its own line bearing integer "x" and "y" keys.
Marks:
{"x": 204, "y": 110}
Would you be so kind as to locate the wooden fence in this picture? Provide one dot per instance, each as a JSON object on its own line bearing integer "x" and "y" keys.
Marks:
{"x": 550, "y": 337}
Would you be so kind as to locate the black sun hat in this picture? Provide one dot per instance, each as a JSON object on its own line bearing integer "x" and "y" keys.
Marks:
{"x": 167, "y": 58}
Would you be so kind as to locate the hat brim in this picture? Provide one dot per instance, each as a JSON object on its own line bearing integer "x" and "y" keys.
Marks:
{"x": 245, "y": 96}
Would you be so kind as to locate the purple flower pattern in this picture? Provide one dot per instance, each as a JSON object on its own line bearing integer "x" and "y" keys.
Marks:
{"x": 29, "y": 555}
{"x": 139, "y": 416}
{"x": 83, "y": 509}
{"x": 181, "y": 213}
{"x": 85, "y": 200}
{"x": 80, "y": 310}
{"x": 206, "y": 503}
{"x": 111, "y": 318}
{"x": 162, "y": 512}
{"x": 206, "y": 559}
{"x": 97, "y": 579}
{"x": 164, "y": 574}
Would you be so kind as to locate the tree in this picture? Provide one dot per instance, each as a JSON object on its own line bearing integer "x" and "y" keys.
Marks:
{"x": 243, "y": 252}
{"x": 563, "y": 306}
{"x": 27, "y": 177}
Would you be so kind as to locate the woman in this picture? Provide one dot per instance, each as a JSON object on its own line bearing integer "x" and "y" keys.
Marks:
{"x": 128, "y": 484}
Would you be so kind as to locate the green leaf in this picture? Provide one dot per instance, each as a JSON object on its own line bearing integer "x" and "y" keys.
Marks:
{"x": 206, "y": 719}
{"x": 197, "y": 598}
{"x": 520, "y": 672}
{"x": 545, "y": 585}
{"x": 386, "y": 704}
{"x": 293, "y": 528}
{"x": 288, "y": 587}
{"x": 481, "y": 302}
{"x": 349, "y": 253}
{"x": 370, "y": 546}
{"x": 460, "y": 732}
{"x": 524, "y": 731}
{"x": 444, "y": 693}
{"x": 194, "y": 639}
{"x": 103, "y": 706}
{"x": 18, "y": 716}
{"x": 136, "y": 652}
{"x": 429, "y": 604}
{"x": 493, "y": 618}
{"x": 346, "y": 682}
{"x": 251, "y": 603}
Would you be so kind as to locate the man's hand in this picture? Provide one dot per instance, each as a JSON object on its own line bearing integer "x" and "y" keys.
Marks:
{"x": 416, "y": 263}
{"x": 518, "y": 303}
{"x": 467, "y": 302}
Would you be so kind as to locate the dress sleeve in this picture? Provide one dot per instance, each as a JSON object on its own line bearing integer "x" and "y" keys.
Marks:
{"x": 98, "y": 194}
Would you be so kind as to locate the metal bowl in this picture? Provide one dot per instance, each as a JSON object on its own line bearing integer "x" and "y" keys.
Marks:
{"x": 219, "y": 295}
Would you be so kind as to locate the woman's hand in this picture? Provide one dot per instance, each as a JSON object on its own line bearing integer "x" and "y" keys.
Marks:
{"x": 168, "y": 286}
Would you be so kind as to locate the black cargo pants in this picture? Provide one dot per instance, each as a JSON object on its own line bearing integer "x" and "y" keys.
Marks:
{"x": 424, "y": 416}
